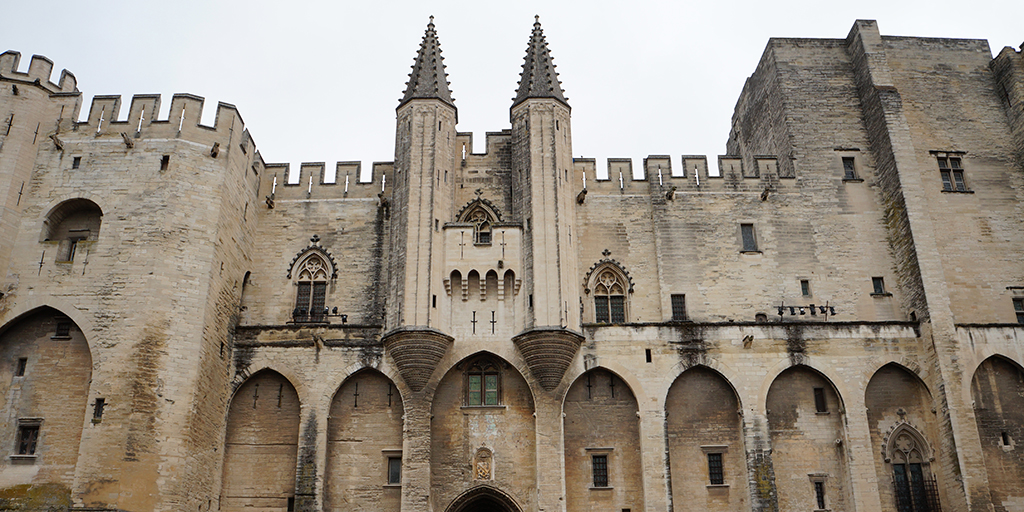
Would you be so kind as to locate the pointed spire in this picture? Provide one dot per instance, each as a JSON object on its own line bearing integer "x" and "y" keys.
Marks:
{"x": 539, "y": 79}
{"x": 428, "y": 79}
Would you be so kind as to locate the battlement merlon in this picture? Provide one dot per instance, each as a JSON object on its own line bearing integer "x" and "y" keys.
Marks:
{"x": 39, "y": 71}
{"x": 184, "y": 117}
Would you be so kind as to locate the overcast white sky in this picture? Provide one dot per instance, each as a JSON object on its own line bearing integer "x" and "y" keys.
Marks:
{"x": 319, "y": 81}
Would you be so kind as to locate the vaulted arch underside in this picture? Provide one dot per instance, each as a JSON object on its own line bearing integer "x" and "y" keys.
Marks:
{"x": 261, "y": 445}
{"x": 998, "y": 393}
{"x": 364, "y": 435}
{"x": 703, "y": 422}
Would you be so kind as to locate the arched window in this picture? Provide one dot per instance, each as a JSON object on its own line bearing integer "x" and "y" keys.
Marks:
{"x": 915, "y": 488}
{"x": 310, "y": 297}
{"x": 609, "y": 298}
{"x": 482, "y": 214}
{"x": 73, "y": 224}
{"x": 481, "y": 226}
{"x": 483, "y": 383}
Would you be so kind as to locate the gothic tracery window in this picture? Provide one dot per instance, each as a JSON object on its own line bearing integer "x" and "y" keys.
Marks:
{"x": 915, "y": 489}
{"x": 310, "y": 297}
{"x": 481, "y": 226}
{"x": 609, "y": 298}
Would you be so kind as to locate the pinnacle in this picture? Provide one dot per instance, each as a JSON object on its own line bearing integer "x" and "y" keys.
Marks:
{"x": 428, "y": 79}
{"x": 539, "y": 78}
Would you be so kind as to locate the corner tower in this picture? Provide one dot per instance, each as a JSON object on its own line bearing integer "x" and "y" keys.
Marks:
{"x": 543, "y": 199}
{"x": 422, "y": 195}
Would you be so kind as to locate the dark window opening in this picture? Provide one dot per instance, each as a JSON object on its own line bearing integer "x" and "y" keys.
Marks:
{"x": 878, "y": 285}
{"x": 1018, "y": 308}
{"x": 1006, "y": 439}
{"x": 715, "y": 472}
{"x": 749, "y": 240}
{"x": 805, "y": 287}
{"x": 97, "y": 409}
{"x": 820, "y": 405}
{"x": 394, "y": 470}
{"x": 164, "y": 162}
{"x": 849, "y": 168}
{"x": 819, "y": 494}
{"x": 530, "y": 300}
{"x": 291, "y": 503}
{"x": 309, "y": 302}
{"x": 76, "y": 162}
{"x": 600, "y": 467}
{"x": 648, "y": 353}
{"x": 63, "y": 330}
{"x": 433, "y": 301}
{"x": 483, "y": 237}
{"x": 610, "y": 309}
{"x": 22, "y": 364}
{"x": 913, "y": 492}
{"x": 952, "y": 174}
{"x": 28, "y": 435}
{"x": 678, "y": 307}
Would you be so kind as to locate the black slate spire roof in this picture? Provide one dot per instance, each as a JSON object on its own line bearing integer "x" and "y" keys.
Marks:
{"x": 428, "y": 79}
{"x": 539, "y": 79}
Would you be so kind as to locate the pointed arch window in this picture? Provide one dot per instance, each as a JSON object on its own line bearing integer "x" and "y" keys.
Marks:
{"x": 311, "y": 293}
{"x": 914, "y": 487}
{"x": 609, "y": 298}
{"x": 481, "y": 226}
{"x": 483, "y": 383}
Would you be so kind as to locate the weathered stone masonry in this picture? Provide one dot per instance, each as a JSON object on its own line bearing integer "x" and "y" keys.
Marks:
{"x": 826, "y": 318}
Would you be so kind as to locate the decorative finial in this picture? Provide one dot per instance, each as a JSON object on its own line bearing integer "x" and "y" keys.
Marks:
{"x": 431, "y": 19}
{"x": 606, "y": 253}
{"x": 479, "y": 192}
{"x": 315, "y": 239}
{"x": 536, "y": 19}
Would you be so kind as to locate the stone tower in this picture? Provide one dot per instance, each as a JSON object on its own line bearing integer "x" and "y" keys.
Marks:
{"x": 542, "y": 184}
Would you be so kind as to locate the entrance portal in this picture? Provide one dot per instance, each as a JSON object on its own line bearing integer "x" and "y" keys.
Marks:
{"x": 484, "y": 499}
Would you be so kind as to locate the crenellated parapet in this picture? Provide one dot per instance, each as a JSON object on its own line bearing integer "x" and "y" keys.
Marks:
{"x": 39, "y": 72}
{"x": 184, "y": 118}
{"x": 320, "y": 180}
{"x": 665, "y": 174}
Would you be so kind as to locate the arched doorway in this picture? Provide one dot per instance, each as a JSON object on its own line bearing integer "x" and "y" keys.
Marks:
{"x": 484, "y": 499}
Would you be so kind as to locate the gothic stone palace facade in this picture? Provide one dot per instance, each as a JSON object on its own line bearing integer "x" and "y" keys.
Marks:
{"x": 827, "y": 318}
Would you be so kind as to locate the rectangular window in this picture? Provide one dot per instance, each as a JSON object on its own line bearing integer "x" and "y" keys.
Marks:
{"x": 617, "y": 304}
{"x": 819, "y": 494}
{"x": 749, "y": 240}
{"x": 601, "y": 309}
{"x": 490, "y": 389}
{"x": 394, "y": 470}
{"x": 316, "y": 306}
{"x": 819, "y": 400}
{"x": 474, "y": 395}
{"x": 22, "y": 364}
{"x": 600, "y": 465}
{"x": 97, "y": 409}
{"x": 302, "y": 299}
{"x": 63, "y": 330}
{"x": 715, "y": 473}
{"x": 165, "y": 161}
{"x": 1018, "y": 307}
{"x": 849, "y": 168}
{"x": 678, "y": 307}
{"x": 805, "y": 288}
{"x": 27, "y": 437}
{"x": 878, "y": 285}
{"x": 76, "y": 162}
{"x": 952, "y": 174}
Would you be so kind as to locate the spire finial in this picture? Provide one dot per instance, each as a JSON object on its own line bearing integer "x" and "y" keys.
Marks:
{"x": 539, "y": 79}
{"x": 428, "y": 79}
